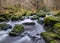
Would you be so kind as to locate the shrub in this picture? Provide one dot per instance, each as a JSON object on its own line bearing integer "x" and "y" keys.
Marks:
{"x": 17, "y": 30}
{"x": 49, "y": 36}
{"x": 7, "y": 15}
{"x": 54, "y": 41}
{"x": 28, "y": 13}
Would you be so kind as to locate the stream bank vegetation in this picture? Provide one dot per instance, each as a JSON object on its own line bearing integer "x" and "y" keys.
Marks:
{"x": 14, "y": 13}
{"x": 52, "y": 27}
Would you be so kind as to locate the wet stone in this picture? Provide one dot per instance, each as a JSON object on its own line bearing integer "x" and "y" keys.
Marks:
{"x": 5, "y": 26}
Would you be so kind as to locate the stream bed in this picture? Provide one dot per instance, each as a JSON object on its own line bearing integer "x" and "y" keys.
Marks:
{"x": 30, "y": 30}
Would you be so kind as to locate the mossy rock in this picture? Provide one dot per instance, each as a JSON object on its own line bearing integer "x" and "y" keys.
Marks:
{"x": 49, "y": 36}
{"x": 46, "y": 36}
{"x": 58, "y": 14}
{"x": 5, "y": 26}
{"x": 35, "y": 17}
{"x": 54, "y": 41}
{"x": 51, "y": 20}
{"x": 17, "y": 30}
{"x": 49, "y": 29}
{"x": 57, "y": 28}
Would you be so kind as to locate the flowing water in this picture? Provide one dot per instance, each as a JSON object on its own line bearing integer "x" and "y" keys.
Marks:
{"x": 32, "y": 30}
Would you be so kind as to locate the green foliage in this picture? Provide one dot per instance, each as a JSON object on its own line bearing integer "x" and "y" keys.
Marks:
{"x": 57, "y": 26}
{"x": 7, "y": 15}
{"x": 28, "y": 13}
{"x": 13, "y": 17}
{"x": 41, "y": 13}
{"x": 49, "y": 29}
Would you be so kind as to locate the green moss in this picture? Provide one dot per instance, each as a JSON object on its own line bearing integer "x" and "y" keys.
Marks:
{"x": 58, "y": 14}
{"x": 28, "y": 13}
{"x": 57, "y": 28}
{"x": 5, "y": 26}
{"x": 54, "y": 41}
{"x": 7, "y": 16}
{"x": 49, "y": 29}
{"x": 14, "y": 18}
{"x": 46, "y": 36}
{"x": 18, "y": 29}
{"x": 51, "y": 20}
{"x": 34, "y": 17}
{"x": 49, "y": 36}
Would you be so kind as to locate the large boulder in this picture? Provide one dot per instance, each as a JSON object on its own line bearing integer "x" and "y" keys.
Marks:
{"x": 17, "y": 30}
{"x": 50, "y": 37}
{"x": 54, "y": 41}
{"x": 56, "y": 28}
{"x": 51, "y": 20}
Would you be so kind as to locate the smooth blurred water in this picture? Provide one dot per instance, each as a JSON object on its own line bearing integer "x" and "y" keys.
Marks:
{"x": 5, "y": 38}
